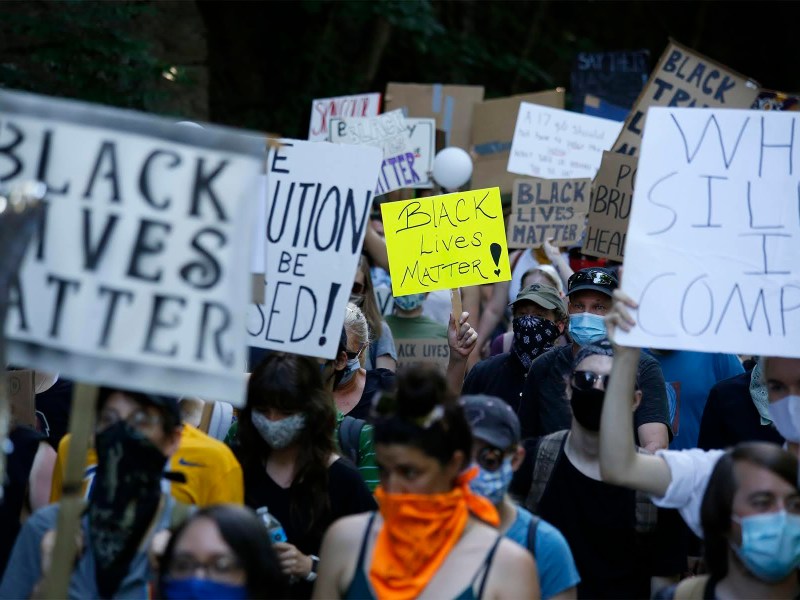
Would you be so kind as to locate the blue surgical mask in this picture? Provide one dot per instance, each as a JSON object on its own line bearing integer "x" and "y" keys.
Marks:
{"x": 353, "y": 365}
{"x": 493, "y": 485}
{"x": 410, "y": 302}
{"x": 201, "y": 589}
{"x": 587, "y": 328}
{"x": 785, "y": 414}
{"x": 770, "y": 544}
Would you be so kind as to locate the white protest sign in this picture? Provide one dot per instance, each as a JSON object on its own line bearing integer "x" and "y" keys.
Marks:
{"x": 323, "y": 109}
{"x": 389, "y": 132}
{"x": 257, "y": 248}
{"x": 422, "y": 144}
{"x": 318, "y": 203}
{"x": 138, "y": 276}
{"x": 712, "y": 248}
{"x": 558, "y": 144}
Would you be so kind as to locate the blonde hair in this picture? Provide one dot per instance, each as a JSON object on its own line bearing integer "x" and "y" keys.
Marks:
{"x": 549, "y": 272}
{"x": 355, "y": 324}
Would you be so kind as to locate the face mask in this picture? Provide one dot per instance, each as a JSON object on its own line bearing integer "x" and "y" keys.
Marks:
{"x": 278, "y": 434}
{"x": 770, "y": 544}
{"x": 410, "y": 302}
{"x": 200, "y": 589}
{"x": 493, "y": 485}
{"x": 587, "y": 406}
{"x": 124, "y": 497}
{"x": 358, "y": 300}
{"x": 532, "y": 336}
{"x": 785, "y": 413}
{"x": 586, "y": 328}
{"x": 353, "y": 365}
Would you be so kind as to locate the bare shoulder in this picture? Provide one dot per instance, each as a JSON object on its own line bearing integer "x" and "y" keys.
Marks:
{"x": 509, "y": 552}
{"x": 349, "y": 528}
{"x": 513, "y": 573}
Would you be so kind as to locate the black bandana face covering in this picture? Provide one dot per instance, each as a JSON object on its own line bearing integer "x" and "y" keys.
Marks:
{"x": 587, "y": 406}
{"x": 532, "y": 336}
{"x": 125, "y": 495}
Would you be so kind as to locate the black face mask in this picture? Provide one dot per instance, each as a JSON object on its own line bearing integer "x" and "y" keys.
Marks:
{"x": 587, "y": 406}
{"x": 125, "y": 495}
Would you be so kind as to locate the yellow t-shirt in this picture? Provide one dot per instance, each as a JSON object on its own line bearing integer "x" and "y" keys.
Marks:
{"x": 213, "y": 475}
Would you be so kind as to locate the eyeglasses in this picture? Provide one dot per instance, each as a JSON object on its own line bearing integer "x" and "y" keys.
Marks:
{"x": 352, "y": 355}
{"x": 219, "y": 567}
{"x": 358, "y": 288}
{"x": 140, "y": 420}
{"x": 586, "y": 380}
{"x": 490, "y": 458}
{"x": 591, "y": 276}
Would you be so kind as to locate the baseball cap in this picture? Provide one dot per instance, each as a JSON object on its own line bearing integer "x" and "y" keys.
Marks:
{"x": 599, "y": 279}
{"x": 544, "y": 295}
{"x": 491, "y": 420}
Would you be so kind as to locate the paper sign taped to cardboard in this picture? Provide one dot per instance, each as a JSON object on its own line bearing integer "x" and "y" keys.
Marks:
{"x": 558, "y": 144}
{"x": 610, "y": 208}
{"x": 445, "y": 242}
{"x": 22, "y": 397}
{"x": 424, "y": 351}
{"x": 685, "y": 78}
{"x": 543, "y": 209}
{"x": 324, "y": 109}
{"x": 712, "y": 244}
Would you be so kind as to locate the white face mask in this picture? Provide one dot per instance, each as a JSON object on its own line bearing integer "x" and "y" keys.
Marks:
{"x": 785, "y": 413}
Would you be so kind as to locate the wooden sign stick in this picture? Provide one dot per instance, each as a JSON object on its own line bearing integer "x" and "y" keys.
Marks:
{"x": 455, "y": 300}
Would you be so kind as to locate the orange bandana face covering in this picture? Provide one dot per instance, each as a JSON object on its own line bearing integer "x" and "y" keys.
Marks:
{"x": 418, "y": 532}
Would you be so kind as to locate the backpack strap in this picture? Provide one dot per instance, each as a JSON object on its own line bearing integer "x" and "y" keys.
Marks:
{"x": 531, "y": 539}
{"x": 646, "y": 511}
{"x": 349, "y": 437}
{"x": 548, "y": 451}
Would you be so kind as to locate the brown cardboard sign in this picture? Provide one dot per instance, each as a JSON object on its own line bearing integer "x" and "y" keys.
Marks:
{"x": 493, "y": 123}
{"x": 22, "y": 397}
{"x": 543, "y": 209}
{"x": 450, "y": 105}
{"x": 421, "y": 351}
{"x": 610, "y": 208}
{"x": 685, "y": 78}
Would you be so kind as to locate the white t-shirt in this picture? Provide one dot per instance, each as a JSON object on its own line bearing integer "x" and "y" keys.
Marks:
{"x": 690, "y": 470}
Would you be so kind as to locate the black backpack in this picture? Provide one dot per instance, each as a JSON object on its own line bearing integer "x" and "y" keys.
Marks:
{"x": 349, "y": 437}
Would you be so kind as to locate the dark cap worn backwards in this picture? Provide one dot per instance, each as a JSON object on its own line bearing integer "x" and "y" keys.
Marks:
{"x": 545, "y": 296}
{"x": 492, "y": 420}
{"x": 598, "y": 279}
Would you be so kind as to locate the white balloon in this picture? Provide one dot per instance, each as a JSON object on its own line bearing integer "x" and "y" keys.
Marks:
{"x": 452, "y": 168}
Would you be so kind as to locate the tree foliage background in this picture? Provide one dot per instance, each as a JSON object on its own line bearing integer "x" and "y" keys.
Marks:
{"x": 259, "y": 64}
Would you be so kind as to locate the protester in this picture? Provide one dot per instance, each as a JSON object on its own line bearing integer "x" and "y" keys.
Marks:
{"x": 381, "y": 353}
{"x": 135, "y": 435}
{"x": 751, "y": 520}
{"x": 408, "y": 322}
{"x": 539, "y": 317}
{"x": 230, "y": 546}
{"x": 497, "y": 452}
{"x": 286, "y": 447}
{"x": 678, "y": 478}
{"x": 623, "y": 546}
{"x": 544, "y": 408}
{"x": 428, "y": 540}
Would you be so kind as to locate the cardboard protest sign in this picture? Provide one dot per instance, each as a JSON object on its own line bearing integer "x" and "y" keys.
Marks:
{"x": 543, "y": 209}
{"x": 617, "y": 77}
{"x": 445, "y": 242}
{"x": 22, "y": 397}
{"x": 493, "y": 123}
{"x": 711, "y": 253}
{"x": 610, "y": 207}
{"x": 416, "y": 352}
{"x": 684, "y": 78}
{"x": 318, "y": 201}
{"x": 139, "y": 274}
{"x": 323, "y": 109}
{"x": 450, "y": 105}
{"x": 422, "y": 144}
{"x": 558, "y": 144}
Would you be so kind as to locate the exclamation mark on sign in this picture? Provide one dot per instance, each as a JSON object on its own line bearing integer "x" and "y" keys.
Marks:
{"x": 496, "y": 250}
{"x": 334, "y": 291}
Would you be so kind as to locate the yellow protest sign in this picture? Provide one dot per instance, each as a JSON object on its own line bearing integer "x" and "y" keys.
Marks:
{"x": 445, "y": 242}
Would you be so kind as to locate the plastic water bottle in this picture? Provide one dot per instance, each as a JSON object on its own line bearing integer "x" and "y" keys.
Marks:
{"x": 274, "y": 527}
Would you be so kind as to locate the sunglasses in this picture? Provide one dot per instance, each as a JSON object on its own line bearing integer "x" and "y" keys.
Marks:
{"x": 591, "y": 276}
{"x": 357, "y": 289}
{"x": 586, "y": 380}
{"x": 490, "y": 458}
{"x": 352, "y": 355}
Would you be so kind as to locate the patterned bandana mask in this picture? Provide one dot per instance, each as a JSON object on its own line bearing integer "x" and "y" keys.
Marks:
{"x": 125, "y": 495}
{"x": 278, "y": 434}
{"x": 532, "y": 336}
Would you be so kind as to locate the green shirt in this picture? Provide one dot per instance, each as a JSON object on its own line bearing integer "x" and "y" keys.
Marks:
{"x": 420, "y": 327}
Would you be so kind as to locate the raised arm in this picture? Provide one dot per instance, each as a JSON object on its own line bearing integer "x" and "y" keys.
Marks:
{"x": 375, "y": 247}
{"x": 561, "y": 266}
{"x": 620, "y": 464}
{"x": 493, "y": 312}
{"x": 461, "y": 340}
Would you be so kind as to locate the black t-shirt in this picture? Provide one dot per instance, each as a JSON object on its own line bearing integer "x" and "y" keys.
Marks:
{"x": 52, "y": 411}
{"x": 598, "y": 521}
{"x": 545, "y": 409}
{"x": 731, "y": 417}
{"x": 347, "y": 494}
{"x": 502, "y": 376}
{"x": 378, "y": 380}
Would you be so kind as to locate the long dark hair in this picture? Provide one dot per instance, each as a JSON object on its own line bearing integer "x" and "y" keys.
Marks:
{"x": 292, "y": 383}
{"x": 717, "y": 508}
{"x": 423, "y": 413}
{"x": 249, "y": 539}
